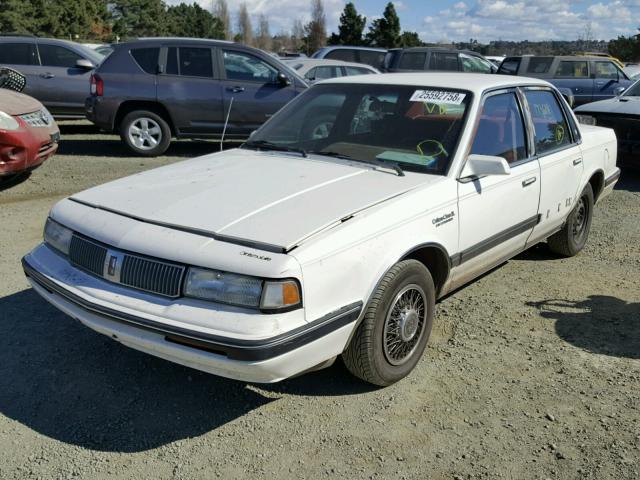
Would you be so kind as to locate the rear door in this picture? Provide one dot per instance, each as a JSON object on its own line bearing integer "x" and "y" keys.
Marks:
{"x": 559, "y": 155}
{"x": 575, "y": 75}
{"x": 189, "y": 87}
{"x": 251, "y": 92}
{"x": 64, "y": 85}
{"x": 23, "y": 57}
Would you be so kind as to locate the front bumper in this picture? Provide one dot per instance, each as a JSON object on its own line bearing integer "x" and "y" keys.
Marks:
{"x": 26, "y": 148}
{"x": 267, "y": 359}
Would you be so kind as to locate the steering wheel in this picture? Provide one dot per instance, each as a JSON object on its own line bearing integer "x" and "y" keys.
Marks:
{"x": 439, "y": 148}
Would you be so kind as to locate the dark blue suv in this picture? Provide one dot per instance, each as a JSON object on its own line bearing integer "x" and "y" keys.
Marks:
{"x": 151, "y": 90}
{"x": 579, "y": 78}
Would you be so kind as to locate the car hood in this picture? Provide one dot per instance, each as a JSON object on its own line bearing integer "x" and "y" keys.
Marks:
{"x": 15, "y": 103}
{"x": 271, "y": 199}
{"x": 620, "y": 105}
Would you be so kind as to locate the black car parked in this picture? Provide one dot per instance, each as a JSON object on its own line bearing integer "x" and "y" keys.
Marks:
{"x": 436, "y": 59}
{"x": 57, "y": 71}
{"x": 152, "y": 90}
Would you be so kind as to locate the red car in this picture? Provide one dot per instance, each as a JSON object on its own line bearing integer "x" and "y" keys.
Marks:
{"x": 28, "y": 133}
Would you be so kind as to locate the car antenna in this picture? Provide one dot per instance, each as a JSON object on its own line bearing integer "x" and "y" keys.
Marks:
{"x": 226, "y": 122}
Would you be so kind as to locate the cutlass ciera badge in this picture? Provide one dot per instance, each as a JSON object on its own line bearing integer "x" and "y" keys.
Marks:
{"x": 446, "y": 218}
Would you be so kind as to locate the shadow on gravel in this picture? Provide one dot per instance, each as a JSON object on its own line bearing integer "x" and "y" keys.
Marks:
{"x": 12, "y": 181}
{"x": 601, "y": 324}
{"x": 74, "y": 385}
{"x": 537, "y": 253}
{"x": 629, "y": 181}
{"x": 78, "y": 128}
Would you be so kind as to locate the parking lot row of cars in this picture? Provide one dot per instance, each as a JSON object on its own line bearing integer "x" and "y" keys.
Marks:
{"x": 152, "y": 90}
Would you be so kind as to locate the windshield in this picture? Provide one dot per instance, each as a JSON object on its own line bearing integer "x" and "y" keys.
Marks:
{"x": 416, "y": 128}
{"x": 633, "y": 90}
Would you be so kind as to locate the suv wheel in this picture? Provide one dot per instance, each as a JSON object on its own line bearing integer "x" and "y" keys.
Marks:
{"x": 145, "y": 133}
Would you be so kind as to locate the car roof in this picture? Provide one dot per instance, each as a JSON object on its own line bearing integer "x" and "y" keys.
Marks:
{"x": 349, "y": 47}
{"x": 313, "y": 62}
{"x": 563, "y": 57}
{"x": 474, "y": 82}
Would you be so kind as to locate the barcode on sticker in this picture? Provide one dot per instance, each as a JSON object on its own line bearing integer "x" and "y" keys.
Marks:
{"x": 437, "y": 96}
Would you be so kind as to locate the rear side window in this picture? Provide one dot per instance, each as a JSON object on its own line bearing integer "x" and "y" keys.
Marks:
{"x": 189, "y": 62}
{"x": 147, "y": 59}
{"x": 501, "y": 129}
{"x": 322, "y": 73}
{"x": 509, "y": 66}
{"x": 551, "y": 129}
{"x": 375, "y": 59}
{"x": 573, "y": 69}
{"x": 344, "y": 54}
{"x": 539, "y": 64}
{"x": 18, "y": 54}
{"x": 55, "y": 56}
{"x": 357, "y": 71}
{"x": 412, "y": 61}
{"x": 447, "y": 62}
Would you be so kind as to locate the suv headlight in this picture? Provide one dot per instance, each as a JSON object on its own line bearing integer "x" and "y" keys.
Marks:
{"x": 241, "y": 290}
{"x": 7, "y": 122}
{"x": 57, "y": 236}
{"x": 586, "y": 119}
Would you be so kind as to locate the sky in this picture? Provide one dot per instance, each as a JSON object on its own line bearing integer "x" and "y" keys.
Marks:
{"x": 456, "y": 20}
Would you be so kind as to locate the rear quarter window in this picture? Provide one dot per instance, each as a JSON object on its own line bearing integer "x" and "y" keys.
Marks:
{"x": 147, "y": 59}
{"x": 18, "y": 54}
{"x": 509, "y": 66}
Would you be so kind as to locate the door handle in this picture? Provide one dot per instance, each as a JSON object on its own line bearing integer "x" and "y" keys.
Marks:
{"x": 529, "y": 181}
{"x": 47, "y": 75}
{"x": 577, "y": 161}
{"x": 236, "y": 89}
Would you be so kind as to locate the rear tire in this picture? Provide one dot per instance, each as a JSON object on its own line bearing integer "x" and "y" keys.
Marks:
{"x": 391, "y": 339}
{"x": 575, "y": 232}
{"x": 145, "y": 133}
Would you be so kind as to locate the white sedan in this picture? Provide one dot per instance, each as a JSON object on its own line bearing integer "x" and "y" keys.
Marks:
{"x": 334, "y": 230}
{"x": 315, "y": 70}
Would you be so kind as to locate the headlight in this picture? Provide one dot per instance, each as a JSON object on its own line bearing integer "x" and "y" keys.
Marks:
{"x": 586, "y": 119}
{"x": 57, "y": 236}
{"x": 241, "y": 290}
{"x": 7, "y": 122}
{"x": 47, "y": 115}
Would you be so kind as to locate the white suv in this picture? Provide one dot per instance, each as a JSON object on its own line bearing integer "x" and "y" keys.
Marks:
{"x": 334, "y": 230}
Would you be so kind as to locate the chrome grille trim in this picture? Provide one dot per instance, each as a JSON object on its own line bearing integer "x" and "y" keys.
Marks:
{"x": 135, "y": 271}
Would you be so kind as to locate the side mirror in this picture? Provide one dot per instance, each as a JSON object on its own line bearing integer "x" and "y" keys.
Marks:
{"x": 85, "y": 64}
{"x": 282, "y": 80}
{"x": 481, "y": 165}
{"x": 618, "y": 91}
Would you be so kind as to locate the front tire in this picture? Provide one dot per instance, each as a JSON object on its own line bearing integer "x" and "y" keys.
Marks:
{"x": 145, "y": 133}
{"x": 574, "y": 234}
{"x": 391, "y": 339}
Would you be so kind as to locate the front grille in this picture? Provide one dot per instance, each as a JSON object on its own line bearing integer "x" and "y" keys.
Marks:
{"x": 45, "y": 148}
{"x": 141, "y": 273}
{"x": 151, "y": 275}
{"x": 87, "y": 255}
{"x": 41, "y": 118}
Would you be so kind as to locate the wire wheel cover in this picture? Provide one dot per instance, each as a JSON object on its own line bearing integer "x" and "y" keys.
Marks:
{"x": 405, "y": 324}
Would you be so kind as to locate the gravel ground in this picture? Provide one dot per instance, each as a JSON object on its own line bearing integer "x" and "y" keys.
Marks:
{"x": 533, "y": 371}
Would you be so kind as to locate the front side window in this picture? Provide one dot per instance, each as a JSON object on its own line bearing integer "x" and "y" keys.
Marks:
{"x": 447, "y": 62}
{"x": 500, "y": 130}
{"x": 551, "y": 130}
{"x": 573, "y": 69}
{"x": 416, "y": 128}
{"x": 471, "y": 63}
{"x": 509, "y": 66}
{"x": 245, "y": 67}
{"x": 54, "y": 56}
{"x": 606, "y": 70}
{"x": 18, "y": 54}
{"x": 413, "y": 61}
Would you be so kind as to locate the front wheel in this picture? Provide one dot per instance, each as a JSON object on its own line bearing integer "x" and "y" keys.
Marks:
{"x": 145, "y": 133}
{"x": 392, "y": 337}
{"x": 574, "y": 234}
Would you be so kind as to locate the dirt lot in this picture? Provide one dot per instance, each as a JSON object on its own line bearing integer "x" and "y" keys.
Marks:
{"x": 532, "y": 372}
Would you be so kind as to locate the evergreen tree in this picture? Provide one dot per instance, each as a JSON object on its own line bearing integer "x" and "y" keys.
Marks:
{"x": 385, "y": 31}
{"x": 17, "y": 16}
{"x": 410, "y": 39}
{"x": 192, "y": 21}
{"x": 138, "y": 18}
{"x": 350, "y": 28}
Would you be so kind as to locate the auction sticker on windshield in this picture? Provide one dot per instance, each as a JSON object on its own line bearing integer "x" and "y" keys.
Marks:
{"x": 437, "y": 96}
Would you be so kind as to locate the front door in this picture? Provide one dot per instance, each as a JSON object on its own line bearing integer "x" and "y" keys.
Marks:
{"x": 574, "y": 75}
{"x": 608, "y": 77}
{"x": 250, "y": 91}
{"x": 497, "y": 212}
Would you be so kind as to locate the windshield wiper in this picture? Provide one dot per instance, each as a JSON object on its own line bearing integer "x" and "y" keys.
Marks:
{"x": 379, "y": 163}
{"x": 266, "y": 145}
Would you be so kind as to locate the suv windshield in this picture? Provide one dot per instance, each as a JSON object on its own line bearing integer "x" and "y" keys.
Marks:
{"x": 416, "y": 128}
